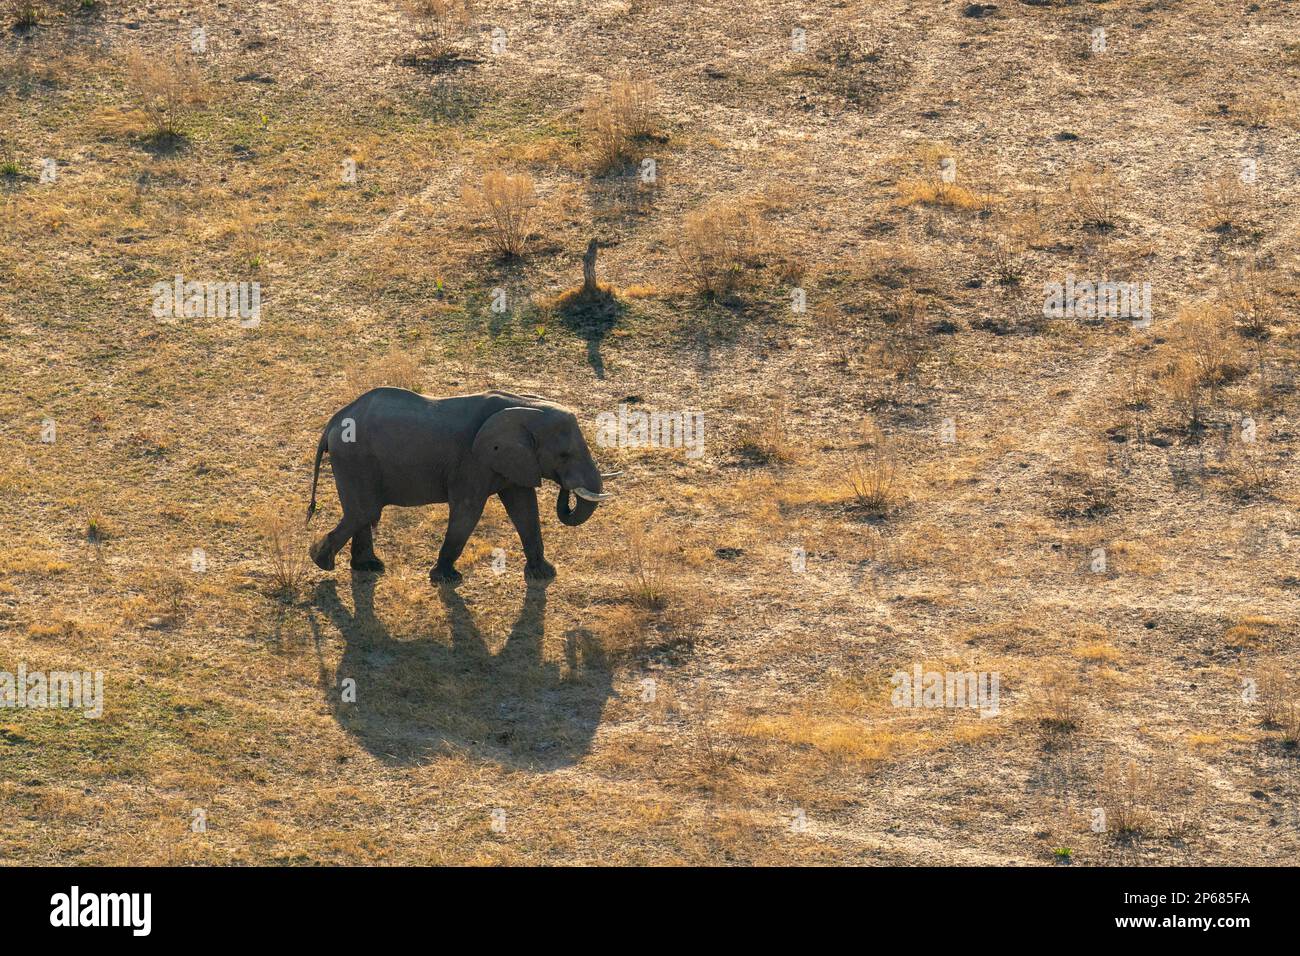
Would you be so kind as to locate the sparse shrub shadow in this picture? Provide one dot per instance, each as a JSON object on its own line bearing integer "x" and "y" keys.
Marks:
{"x": 422, "y": 698}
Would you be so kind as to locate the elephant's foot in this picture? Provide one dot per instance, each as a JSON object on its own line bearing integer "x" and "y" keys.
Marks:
{"x": 449, "y": 575}
{"x": 321, "y": 555}
{"x": 368, "y": 565}
{"x": 539, "y": 570}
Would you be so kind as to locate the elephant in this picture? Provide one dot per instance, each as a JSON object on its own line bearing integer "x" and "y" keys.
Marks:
{"x": 393, "y": 446}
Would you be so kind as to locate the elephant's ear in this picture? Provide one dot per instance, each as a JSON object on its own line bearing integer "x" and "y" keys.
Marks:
{"x": 505, "y": 443}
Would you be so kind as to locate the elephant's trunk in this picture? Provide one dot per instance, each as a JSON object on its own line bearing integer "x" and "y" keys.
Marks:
{"x": 576, "y": 515}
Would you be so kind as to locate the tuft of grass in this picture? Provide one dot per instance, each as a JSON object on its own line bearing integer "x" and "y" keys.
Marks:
{"x": 872, "y": 475}
{"x": 397, "y": 369}
{"x": 768, "y": 440}
{"x": 1127, "y": 793}
{"x": 286, "y": 549}
{"x": 26, "y": 15}
{"x": 1092, "y": 199}
{"x": 1057, "y": 707}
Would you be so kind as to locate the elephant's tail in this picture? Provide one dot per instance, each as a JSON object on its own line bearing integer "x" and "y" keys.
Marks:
{"x": 321, "y": 447}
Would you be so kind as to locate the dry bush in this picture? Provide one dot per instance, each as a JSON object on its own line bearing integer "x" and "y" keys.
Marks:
{"x": 1254, "y": 307}
{"x": 507, "y": 202}
{"x": 1182, "y": 384}
{"x": 617, "y": 120}
{"x": 872, "y": 474}
{"x": 769, "y": 439}
{"x": 1205, "y": 334}
{"x": 1227, "y": 202}
{"x": 286, "y": 550}
{"x": 1092, "y": 198}
{"x": 1127, "y": 793}
{"x": 1251, "y": 474}
{"x": 714, "y": 245}
{"x": 650, "y": 568}
{"x": 1276, "y": 699}
{"x": 1289, "y": 721}
{"x": 442, "y": 26}
{"x": 904, "y": 339}
{"x": 1262, "y": 109}
{"x": 397, "y": 369}
{"x": 1057, "y": 707}
{"x": 165, "y": 87}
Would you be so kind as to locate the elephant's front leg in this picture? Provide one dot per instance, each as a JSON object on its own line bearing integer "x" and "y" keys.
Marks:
{"x": 521, "y": 505}
{"x": 461, "y": 521}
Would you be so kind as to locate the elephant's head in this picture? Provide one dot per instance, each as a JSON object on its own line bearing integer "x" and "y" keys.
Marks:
{"x": 526, "y": 444}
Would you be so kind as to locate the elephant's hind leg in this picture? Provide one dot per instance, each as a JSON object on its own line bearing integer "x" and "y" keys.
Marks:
{"x": 360, "y": 511}
{"x": 363, "y": 550}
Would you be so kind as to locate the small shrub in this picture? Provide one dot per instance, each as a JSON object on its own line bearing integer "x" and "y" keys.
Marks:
{"x": 1205, "y": 334}
{"x": 1226, "y": 203}
{"x": 904, "y": 335}
{"x": 714, "y": 246}
{"x": 286, "y": 548}
{"x": 1127, "y": 793}
{"x": 1057, "y": 707}
{"x": 649, "y": 568}
{"x": 1182, "y": 384}
{"x": 1092, "y": 198}
{"x": 165, "y": 88}
{"x": 872, "y": 475}
{"x": 769, "y": 439}
{"x": 442, "y": 26}
{"x": 617, "y": 120}
{"x": 507, "y": 203}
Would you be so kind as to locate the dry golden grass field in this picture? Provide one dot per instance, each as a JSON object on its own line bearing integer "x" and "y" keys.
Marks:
{"x": 828, "y": 228}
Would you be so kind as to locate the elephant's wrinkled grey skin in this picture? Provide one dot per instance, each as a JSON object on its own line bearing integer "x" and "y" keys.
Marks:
{"x": 407, "y": 449}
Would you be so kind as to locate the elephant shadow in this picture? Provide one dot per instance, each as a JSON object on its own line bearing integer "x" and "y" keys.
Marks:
{"x": 410, "y": 700}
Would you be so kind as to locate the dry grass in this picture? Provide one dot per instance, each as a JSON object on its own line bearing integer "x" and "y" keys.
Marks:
{"x": 1092, "y": 198}
{"x": 1127, "y": 793}
{"x": 650, "y": 568}
{"x": 397, "y": 368}
{"x": 1057, "y": 706}
{"x": 286, "y": 551}
{"x": 768, "y": 440}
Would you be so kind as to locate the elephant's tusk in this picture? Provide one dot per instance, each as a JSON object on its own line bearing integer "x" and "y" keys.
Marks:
{"x": 586, "y": 495}
{"x": 610, "y": 474}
